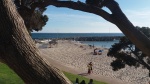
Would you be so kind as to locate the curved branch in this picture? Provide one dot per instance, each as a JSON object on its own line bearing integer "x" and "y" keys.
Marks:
{"x": 79, "y": 6}
{"x": 117, "y": 17}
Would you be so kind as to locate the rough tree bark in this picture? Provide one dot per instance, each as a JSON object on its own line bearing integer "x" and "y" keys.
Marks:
{"x": 19, "y": 52}
{"x": 117, "y": 17}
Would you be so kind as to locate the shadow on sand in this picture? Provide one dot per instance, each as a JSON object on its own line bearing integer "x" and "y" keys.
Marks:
{"x": 83, "y": 74}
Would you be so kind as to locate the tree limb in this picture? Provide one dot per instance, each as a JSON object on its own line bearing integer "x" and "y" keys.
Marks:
{"x": 78, "y": 6}
{"x": 117, "y": 17}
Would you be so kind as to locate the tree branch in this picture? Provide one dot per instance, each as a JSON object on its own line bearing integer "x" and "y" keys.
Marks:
{"x": 78, "y": 6}
{"x": 117, "y": 17}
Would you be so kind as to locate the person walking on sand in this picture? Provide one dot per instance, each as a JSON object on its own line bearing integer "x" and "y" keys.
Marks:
{"x": 90, "y": 68}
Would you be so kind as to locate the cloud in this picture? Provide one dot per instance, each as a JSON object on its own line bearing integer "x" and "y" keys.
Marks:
{"x": 139, "y": 17}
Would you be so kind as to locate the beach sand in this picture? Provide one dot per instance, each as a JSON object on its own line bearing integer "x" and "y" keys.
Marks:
{"x": 73, "y": 57}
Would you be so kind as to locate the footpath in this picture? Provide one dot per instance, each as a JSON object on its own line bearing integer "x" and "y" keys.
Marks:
{"x": 75, "y": 71}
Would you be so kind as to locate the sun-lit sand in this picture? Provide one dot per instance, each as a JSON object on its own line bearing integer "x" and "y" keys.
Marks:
{"x": 76, "y": 56}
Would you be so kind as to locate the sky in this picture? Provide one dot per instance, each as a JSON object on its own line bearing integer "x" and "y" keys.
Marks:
{"x": 64, "y": 20}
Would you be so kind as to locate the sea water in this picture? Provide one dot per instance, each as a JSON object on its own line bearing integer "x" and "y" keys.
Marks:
{"x": 106, "y": 44}
{"x": 70, "y": 35}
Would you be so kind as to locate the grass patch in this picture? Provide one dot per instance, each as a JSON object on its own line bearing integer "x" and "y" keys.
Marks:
{"x": 8, "y": 76}
{"x": 72, "y": 78}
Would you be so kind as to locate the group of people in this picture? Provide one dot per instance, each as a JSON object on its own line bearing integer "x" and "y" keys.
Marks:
{"x": 97, "y": 51}
{"x": 83, "y": 81}
{"x": 90, "y": 70}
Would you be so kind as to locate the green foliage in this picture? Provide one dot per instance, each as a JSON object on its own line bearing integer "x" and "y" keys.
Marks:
{"x": 45, "y": 19}
{"x": 126, "y": 53}
{"x": 73, "y": 77}
{"x": 145, "y": 30}
{"x": 32, "y": 13}
{"x": 117, "y": 64}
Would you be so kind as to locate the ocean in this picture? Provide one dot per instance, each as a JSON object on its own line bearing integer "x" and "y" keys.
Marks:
{"x": 69, "y": 35}
{"x": 106, "y": 44}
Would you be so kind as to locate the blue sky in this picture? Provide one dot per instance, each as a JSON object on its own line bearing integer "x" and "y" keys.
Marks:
{"x": 64, "y": 20}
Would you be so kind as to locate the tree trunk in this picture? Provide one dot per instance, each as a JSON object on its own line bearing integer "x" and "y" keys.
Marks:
{"x": 19, "y": 52}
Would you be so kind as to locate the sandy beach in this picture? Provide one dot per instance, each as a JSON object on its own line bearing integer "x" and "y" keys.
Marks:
{"x": 73, "y": 57}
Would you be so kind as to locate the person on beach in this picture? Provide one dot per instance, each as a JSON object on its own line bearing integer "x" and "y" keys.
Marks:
{"x": 100, "y": 52}
{"x": 91, "y": 81}
{"x": 95, "y": 53}
{"x": 89, "y": 71}
{"x": 77, "y": 81}
{"x": 91, "y": 64}
{"x": 93, "y": 45}
{"x": 90, "y": 68}
{"x": 83, "y": 82}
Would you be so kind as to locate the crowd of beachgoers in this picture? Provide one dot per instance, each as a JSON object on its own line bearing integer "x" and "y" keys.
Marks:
{"x": 76, "y": 55}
